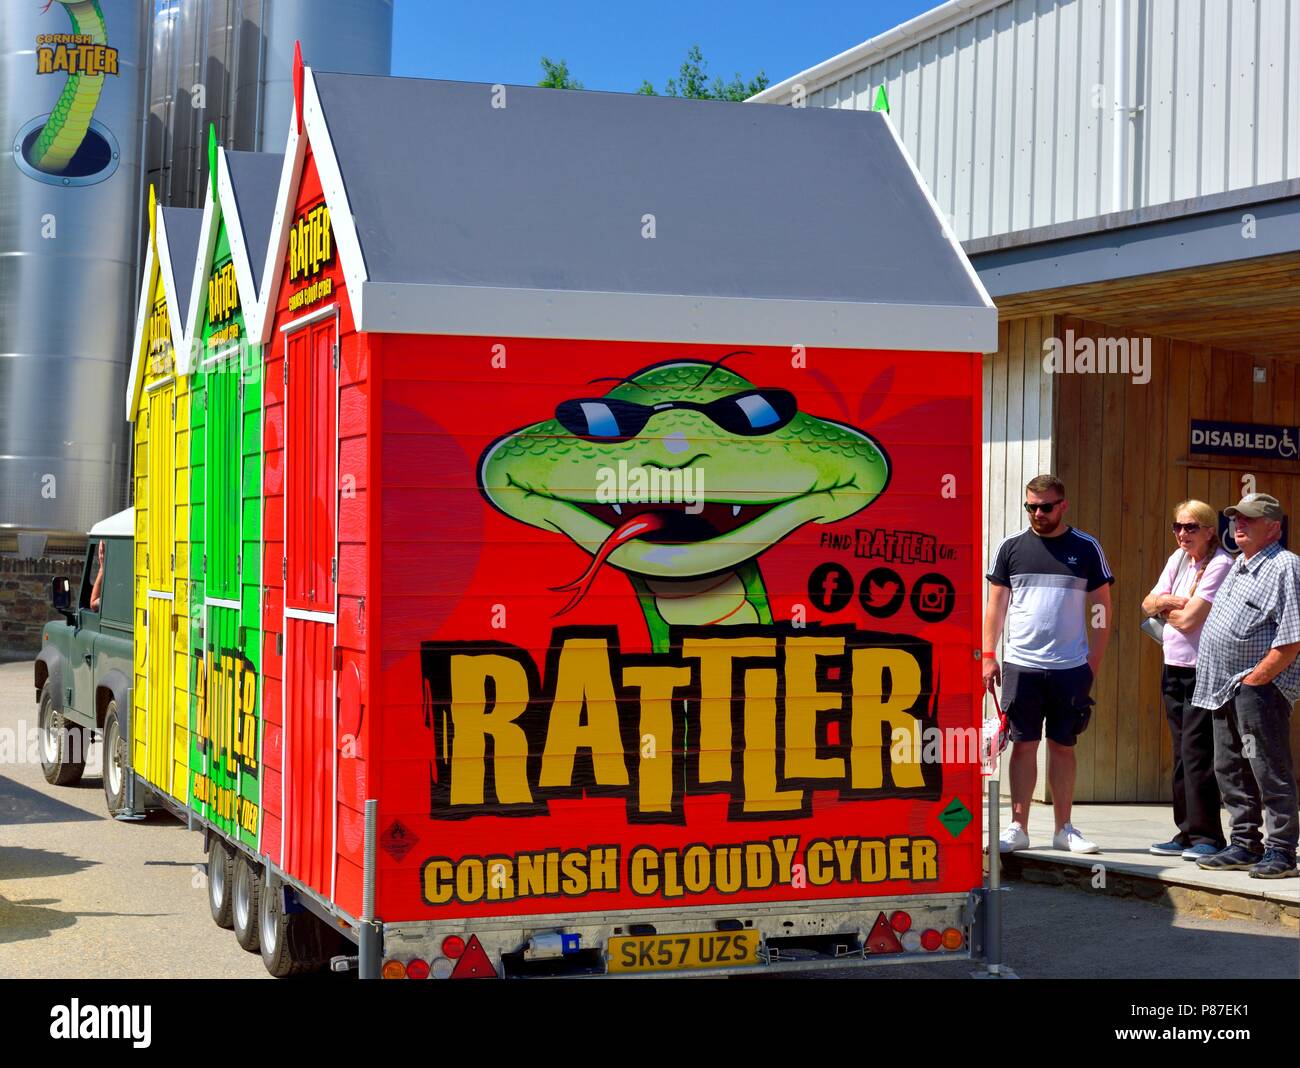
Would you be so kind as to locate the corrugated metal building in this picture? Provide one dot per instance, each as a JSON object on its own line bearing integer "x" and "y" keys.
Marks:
{"x": 1126, "y": 171}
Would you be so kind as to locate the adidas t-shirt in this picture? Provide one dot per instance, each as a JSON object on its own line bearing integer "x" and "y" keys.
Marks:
{"x": 1050, "y": 579}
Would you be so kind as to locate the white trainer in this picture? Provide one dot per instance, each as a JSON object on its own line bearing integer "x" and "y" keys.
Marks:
{"x": 1067, "y": 838}
{"x": 1012, "y": 839}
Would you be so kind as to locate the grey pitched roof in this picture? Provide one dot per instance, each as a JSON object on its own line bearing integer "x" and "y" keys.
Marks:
{"x": 184, "y": 227}
{"x": 255, "y": 178}
{"x": 549, "y": 194}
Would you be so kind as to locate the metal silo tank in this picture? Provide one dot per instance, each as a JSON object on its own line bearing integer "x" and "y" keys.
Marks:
{"x": 348, "y": 36}
{"x": 70, "y": 192}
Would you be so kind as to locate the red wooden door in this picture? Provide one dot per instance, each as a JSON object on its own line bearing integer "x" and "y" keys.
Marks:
{"x": 310, "y": 577}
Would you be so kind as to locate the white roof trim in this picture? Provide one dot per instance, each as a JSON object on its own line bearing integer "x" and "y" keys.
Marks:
{"x": 199, "y": 290}
{"x": 315, "y": 133}
{"x": 235, "y": 235}
{"x": 948, "y": 231}
{"x": 141, "y": 318}
{"x": 394, "y": 307}
{"x": 336, "y": 196}
{"x": 924, "y": 26}
{"x": 120, "y": 525}
{"x": 257, "y": 319}
{"x": 175, "y": 313}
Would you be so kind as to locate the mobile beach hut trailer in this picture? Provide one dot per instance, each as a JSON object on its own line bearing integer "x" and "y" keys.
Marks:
{"x": 621, "y": 509}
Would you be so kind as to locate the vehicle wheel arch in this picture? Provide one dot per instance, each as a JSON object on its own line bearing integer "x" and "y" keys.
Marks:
{"x": 114, "y": 686}
{"x": 49, "y": 665}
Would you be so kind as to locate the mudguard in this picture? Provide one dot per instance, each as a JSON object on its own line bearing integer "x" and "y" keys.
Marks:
{"x": 120, "y": 687}
{"x": 53, "y": 661}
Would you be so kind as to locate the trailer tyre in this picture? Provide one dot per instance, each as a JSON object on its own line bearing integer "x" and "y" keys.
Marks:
{"x": 61, "y": 742}
{"x": 245, "y": 891}
{"x": 292, "y": 943}
{"x": 117, "y": 764}
{"x": 221, "y": 877}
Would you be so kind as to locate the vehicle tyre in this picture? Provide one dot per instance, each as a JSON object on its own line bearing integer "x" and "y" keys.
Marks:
{"x": 293, "y": 943}
{"x": 221, "y": 877}
{"x": 60, "y": 743}
{"x": 245, "y": 890}
{"x": 117, "y": 763}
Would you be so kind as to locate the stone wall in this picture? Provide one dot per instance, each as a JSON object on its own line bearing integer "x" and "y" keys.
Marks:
{"x": 25, "y": 600}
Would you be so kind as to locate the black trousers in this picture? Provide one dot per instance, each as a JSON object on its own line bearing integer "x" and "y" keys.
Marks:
{"x": 1196, "y": 790}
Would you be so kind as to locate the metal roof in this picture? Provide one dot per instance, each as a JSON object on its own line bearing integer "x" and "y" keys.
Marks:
{"x": 183, "y": 228}
{"x": 255, "y": 179}
{"x": 527, "y": 211}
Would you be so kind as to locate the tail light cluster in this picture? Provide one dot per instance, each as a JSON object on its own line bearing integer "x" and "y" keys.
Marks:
{"x": 911, "y": 941}
{"x": 460, "y": 960}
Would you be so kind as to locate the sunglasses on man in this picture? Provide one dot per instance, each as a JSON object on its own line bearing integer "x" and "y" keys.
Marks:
{"x": 1041, "y": 506}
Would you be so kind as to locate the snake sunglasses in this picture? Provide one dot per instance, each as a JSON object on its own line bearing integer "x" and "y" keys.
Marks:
{"x": 749, "y": 414}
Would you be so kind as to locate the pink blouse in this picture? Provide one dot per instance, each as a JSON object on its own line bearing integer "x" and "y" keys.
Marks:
{"x": 1180, "y": 647}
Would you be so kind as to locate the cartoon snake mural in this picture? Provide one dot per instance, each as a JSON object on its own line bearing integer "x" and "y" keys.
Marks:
{"x": 70, "y": 119}
{"x": 765, "y": 469}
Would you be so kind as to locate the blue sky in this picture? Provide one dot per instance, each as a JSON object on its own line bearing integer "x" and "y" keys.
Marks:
{"x": 613, "y": 45}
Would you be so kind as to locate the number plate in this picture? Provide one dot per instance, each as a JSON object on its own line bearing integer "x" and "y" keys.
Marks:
{"x": 662, "y": 953}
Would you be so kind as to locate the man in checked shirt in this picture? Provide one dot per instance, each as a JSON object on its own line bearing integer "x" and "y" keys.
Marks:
{"x": 1249, "y": 674}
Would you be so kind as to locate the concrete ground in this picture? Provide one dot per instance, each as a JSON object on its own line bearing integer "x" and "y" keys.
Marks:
{"x": 83, "y": 896}
{"x": 1124, "y": 834}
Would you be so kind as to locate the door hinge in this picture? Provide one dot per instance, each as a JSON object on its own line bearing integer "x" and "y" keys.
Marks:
{"x": 284, "y": 567}
{"x": 336, "y": 355}
{"x": 205, "y": 563}
{"x": 286, "y": 369}
{"x": 334, "y": 569}
{"x": 239, "y": 388}
{"x": 279, "y": 644}
{"x": 173, "y": 562}
{"x": 239, "y": 564}
{"x": 173, "y": 407}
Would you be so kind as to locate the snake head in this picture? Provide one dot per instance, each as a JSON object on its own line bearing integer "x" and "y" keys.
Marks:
{"x": 742, "y": 467}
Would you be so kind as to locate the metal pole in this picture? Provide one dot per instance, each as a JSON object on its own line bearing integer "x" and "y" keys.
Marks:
{"x": 993, "y": 924}
{"x": 371, "y": 941}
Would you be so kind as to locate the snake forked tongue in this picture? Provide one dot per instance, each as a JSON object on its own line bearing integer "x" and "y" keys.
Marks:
{"x": 636, "y": 527}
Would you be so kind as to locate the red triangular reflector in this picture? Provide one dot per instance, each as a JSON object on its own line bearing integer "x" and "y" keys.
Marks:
{"x": 882, "y": 938}
{"x": 474, "y": 963}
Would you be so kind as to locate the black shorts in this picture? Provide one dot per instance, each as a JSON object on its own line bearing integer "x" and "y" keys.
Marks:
{"x": 1060, "y": 696}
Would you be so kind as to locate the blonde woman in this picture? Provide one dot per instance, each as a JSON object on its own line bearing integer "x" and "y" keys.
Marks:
{"x": 1182, "y": 598}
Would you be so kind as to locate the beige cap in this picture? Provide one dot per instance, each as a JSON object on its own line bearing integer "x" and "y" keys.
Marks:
{"x": 1255, "y": 505}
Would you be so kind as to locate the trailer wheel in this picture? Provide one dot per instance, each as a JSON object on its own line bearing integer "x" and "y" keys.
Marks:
{"x": 117, "y": 763}
{"x": 245, "y": 889}
{"x": 61, "y": 741}
{"x": 221, "y": 876}
{"x": 292, "y": 943}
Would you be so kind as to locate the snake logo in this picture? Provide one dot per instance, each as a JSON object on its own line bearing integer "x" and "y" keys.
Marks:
{"x": 68, "y": 146}
{"x": 770, "y": 468}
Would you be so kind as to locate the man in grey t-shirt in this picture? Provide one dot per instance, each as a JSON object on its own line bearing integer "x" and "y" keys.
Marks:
{"x": 1044, "y": 584}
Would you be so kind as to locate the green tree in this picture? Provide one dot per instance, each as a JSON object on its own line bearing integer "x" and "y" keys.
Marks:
{"x": 557, "y": 76}
{"x": 693, "y": 82}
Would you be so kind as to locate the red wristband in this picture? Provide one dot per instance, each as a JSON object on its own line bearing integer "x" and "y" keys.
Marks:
{"x": 988, "y": 656}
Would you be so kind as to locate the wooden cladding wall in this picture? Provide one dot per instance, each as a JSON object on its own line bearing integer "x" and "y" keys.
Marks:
{"x": 1122, "y": 450}
{"x": 1017, "y": 439}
